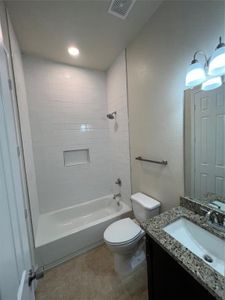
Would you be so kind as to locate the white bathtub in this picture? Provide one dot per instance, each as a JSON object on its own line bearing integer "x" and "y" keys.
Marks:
{"x": 70, "y": 231}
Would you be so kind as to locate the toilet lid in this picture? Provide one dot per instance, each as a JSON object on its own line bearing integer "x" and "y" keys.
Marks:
{"x": 121, "y": 231}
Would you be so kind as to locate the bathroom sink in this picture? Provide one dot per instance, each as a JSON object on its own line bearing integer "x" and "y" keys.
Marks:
{"x": 202, "y": 243}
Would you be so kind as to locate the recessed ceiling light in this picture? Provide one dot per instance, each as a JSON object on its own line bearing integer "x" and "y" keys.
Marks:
{"x": 73, "y": 51}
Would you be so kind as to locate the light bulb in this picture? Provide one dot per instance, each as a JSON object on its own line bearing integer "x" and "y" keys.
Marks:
{"x": 217, "y": 60}
{"x": 73, "y": 51}
{"x": 212, "y": 83}
{"x": 195, "y": 74}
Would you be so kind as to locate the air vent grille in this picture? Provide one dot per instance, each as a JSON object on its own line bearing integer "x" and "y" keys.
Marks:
{"x": 121, "y": 8}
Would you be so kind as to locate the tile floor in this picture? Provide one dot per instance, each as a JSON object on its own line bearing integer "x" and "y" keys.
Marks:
{"x": 91, "y": 277}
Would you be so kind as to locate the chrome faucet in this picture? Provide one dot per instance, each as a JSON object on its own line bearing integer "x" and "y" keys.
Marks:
{"x": 117, "y": 197}
{"x": 208, "y": 216}
{"x": 214, "y": 219}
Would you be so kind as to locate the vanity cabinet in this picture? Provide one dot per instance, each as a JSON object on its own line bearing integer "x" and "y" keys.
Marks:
{"x": 167, "y": 279}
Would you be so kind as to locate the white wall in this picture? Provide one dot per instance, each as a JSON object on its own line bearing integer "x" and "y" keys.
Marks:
{"x": 119, "y": 134}
{"x": 62, "y": 99}
{"x": 157, "y": 62}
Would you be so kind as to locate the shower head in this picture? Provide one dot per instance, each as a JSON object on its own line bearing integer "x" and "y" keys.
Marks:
{"x": 111, "y": 116}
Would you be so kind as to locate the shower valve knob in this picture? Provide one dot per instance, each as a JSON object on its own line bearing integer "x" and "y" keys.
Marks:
{"x": 118, "y": 181}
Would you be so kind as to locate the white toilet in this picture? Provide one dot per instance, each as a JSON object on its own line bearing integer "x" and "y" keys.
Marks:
{"x": 125, "y": 237}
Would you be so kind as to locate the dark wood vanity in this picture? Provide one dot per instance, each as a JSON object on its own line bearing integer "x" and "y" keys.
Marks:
{"x": 167, "y": 279}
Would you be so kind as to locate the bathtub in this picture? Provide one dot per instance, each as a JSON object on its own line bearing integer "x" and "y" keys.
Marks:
{"x": 68, "y": 232}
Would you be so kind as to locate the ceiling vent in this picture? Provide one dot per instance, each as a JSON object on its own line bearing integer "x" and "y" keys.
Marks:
{"x": 121, "y": 8}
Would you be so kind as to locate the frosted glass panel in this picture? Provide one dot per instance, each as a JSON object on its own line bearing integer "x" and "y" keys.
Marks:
{"x": 76, "y": 157}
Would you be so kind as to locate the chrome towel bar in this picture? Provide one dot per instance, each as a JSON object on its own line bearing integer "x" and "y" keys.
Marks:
{"x": 163, "y": 162}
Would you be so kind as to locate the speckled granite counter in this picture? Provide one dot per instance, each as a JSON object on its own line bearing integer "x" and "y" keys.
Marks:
{"x": 200, "y": 270}
{"x": 196, "y": 204}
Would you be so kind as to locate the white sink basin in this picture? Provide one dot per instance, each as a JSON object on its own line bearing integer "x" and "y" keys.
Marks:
{"x": 199, "y": 241}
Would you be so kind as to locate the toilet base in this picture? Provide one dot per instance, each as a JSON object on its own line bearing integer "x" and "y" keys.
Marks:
{"x": 126, "y": 264}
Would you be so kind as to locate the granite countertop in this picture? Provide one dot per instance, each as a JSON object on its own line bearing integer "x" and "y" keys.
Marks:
{"x": 212, "y": 197}
{"x": 206, "y": 202}
{"x": 200, "y": 270}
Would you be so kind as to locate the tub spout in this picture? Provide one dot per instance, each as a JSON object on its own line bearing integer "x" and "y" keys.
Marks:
{"x": 117, "y": 197}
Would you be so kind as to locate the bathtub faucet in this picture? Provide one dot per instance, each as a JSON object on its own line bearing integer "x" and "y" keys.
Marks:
{"x": 117, "y": 197}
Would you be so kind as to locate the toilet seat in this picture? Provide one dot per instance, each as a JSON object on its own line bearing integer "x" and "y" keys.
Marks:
{"x": 122, "y": 232}
{"x": 137, "y": 238}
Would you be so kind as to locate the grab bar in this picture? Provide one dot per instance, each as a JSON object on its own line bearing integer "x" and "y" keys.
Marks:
{"x": 163, "y": 162}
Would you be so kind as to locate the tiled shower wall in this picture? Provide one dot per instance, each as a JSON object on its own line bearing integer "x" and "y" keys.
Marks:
{"x": 118, "y": 129}
{"x": 68, "y": 110}
{"x": 68, "y": 107}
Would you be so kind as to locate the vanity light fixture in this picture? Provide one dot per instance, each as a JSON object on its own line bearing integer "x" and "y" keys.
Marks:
{"x": 195, "y": 74}
{"x": 214, "y": 67}
{"x": 212, "y": 83}
{"x": 73, "y": 51}
{"x": 217, "y": 60}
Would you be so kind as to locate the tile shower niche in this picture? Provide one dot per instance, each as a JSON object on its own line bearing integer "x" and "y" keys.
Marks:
{"x": 76, "y": 157}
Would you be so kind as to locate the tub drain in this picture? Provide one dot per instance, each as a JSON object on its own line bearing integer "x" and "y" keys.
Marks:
{"x": 208, "y": 258}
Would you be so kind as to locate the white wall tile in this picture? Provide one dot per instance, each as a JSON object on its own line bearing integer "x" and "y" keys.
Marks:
{"x": 118, "y": 131}
{"x": 68, "y": 108}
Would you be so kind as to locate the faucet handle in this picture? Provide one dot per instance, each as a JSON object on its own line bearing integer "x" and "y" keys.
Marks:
{"x": 220, "y": 219}
{"x": 118, "y": 181}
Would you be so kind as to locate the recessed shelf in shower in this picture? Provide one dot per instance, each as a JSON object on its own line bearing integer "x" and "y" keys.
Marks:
{"x": 76, "y": 157}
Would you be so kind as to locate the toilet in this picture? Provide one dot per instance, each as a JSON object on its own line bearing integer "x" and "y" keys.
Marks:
{"x": 125, "y": 237}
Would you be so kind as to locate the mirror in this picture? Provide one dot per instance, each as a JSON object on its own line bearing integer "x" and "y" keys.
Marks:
{"x": 204, "y": 151}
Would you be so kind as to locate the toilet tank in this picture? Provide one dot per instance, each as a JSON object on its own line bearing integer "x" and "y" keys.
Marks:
{"x": 144, "y": 207}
